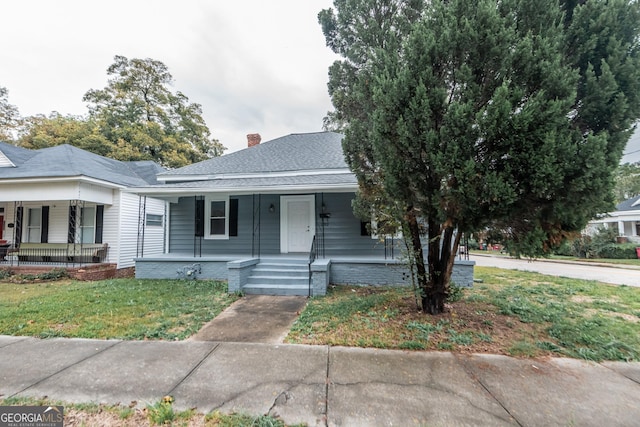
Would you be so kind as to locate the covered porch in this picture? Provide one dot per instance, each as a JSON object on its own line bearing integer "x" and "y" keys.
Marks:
{"x": 61, "y": 224}
{"x": 293, "y": 242}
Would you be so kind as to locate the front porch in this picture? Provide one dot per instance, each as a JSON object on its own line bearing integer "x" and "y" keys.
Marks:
{"x": 282, "y": 274}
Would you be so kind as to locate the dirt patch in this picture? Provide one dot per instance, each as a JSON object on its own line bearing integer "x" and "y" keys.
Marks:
{"x": 465, "y": 327}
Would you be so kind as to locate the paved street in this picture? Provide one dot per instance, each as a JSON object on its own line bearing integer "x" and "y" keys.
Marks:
{"x": 617, "y": 275}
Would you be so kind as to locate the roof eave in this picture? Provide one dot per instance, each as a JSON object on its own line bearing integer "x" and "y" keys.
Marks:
{"x": 267, "y": 189}
{"x": 82, "y": 178}
{"x": 211, "y": 177}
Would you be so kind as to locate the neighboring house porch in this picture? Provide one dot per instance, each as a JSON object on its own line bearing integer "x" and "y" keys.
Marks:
{"x": 625, "y": 219}
{"x": 65, "y": 207}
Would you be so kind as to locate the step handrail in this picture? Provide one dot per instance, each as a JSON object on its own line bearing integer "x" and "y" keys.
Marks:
{"x": 313, "y": 253}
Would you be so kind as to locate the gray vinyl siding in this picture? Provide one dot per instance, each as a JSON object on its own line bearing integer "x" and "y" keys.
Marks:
{"x": 341, "y": 234}
{"x": 182, "y": 232}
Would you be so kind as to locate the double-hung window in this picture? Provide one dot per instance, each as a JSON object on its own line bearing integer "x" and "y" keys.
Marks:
{"x": 34, "y": 224}
{"x": 217, "y": 218}
{"x": 87, "y": 225}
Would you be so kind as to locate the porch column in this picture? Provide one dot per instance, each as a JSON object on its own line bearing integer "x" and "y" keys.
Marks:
{"x": 620, "y": 228}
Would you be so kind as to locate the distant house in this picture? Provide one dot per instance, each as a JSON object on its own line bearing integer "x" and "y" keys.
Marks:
{"x": 625, "y": 219}
{"x": 63, "y": 206}
{"x": 274, "y": 218}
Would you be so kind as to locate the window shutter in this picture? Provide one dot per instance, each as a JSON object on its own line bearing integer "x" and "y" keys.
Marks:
{"x": 199, "y": 218}
{"x": 365, "y": 228}
{"x": 44, "y": 228}
{"x": 233, "y": 217}
{"x": 99, "y": 222}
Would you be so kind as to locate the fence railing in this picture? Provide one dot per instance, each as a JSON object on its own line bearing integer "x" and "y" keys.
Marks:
{"x": 59, "y": 254}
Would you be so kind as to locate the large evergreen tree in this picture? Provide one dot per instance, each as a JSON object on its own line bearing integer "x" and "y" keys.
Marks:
{"x": 461, "y": 115}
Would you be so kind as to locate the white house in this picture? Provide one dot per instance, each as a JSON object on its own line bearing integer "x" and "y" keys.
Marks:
{"x": 626, "y": 219}
{"x": 66, "y": 206}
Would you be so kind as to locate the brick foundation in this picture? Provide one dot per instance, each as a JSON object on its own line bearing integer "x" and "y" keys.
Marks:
{"x": 89, "y": 272}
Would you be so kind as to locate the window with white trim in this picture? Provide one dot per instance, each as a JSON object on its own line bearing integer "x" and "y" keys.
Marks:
{"x": 155, "y": 220}
{"x": 217, "y": 218}
{"x": 87, "y": 225}
{"x": 34, "y": 224}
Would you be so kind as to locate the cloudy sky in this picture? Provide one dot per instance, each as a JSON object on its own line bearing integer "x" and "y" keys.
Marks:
{"x": 253, "y": 65}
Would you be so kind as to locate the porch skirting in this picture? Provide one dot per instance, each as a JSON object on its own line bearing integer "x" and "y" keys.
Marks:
{"x": 338, "y": 271}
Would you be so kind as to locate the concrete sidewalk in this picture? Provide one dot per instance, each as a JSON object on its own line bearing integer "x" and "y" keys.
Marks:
{"x": 321, "y": 385}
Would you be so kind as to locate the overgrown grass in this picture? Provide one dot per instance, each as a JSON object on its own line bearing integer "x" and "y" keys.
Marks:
{"x": 118, "y": 308}
{"x": 511, "y": 312}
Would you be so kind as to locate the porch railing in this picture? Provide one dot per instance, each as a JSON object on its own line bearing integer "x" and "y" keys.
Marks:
{"x": 62, "y": 254}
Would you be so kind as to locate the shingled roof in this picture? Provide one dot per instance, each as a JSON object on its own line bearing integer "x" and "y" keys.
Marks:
{"x": 68, "y": 161}
{"x": 295, "y": 152}
{"x": 632, "y": 204}
{"x": 299, "y": 162}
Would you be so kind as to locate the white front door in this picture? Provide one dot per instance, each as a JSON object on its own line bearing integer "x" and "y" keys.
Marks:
{"x": 297, "y": 223}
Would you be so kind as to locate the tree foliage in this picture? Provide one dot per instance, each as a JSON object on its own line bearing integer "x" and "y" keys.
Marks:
{"x": 463, "y": 115}
{"x": 137, "y": 109}
{"x": 627, "y": 182}
{"x": 41, "y": 131}
{"x": 135, "y": 117}
{"x": 9, "y": 116}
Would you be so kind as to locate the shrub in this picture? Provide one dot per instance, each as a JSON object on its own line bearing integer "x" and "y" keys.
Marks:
{"x": 618, "y": 251}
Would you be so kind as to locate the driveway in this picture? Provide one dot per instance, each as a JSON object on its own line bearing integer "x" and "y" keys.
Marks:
{"x": 617, "y": 275}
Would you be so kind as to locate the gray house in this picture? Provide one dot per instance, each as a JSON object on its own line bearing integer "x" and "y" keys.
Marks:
{"x": 273, "y": 218}
{"x": 63, "y": 206}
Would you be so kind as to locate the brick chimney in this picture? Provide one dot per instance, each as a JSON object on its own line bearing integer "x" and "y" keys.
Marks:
{"x": 253, "y": 139}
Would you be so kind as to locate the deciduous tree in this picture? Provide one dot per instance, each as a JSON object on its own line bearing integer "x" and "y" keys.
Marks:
{"x": 9, "y": 116}
{"x": 137, "y": 108}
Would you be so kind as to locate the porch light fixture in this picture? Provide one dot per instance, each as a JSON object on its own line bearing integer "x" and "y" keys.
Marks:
{"x": 324, "y": 217}
{"x": 272, "y": 208}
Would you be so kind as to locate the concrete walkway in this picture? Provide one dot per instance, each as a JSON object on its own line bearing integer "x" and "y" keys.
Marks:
{"x": 254, "y": 318}
{"x": 321, "y": 385}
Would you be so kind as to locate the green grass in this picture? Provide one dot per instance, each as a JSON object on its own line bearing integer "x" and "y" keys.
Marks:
{"x": 159, "y": 413}
{"x": 118, "y": 308}
{"x": 511, "y": 312}
{"x": 583, "y": 319}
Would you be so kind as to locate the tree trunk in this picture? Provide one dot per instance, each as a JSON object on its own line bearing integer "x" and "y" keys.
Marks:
{"x": 433, "y": 278}
{"x": 417, "y": 253}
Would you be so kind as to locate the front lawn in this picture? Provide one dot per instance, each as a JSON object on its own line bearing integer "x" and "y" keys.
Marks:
{"x": 117, "y": 308}
{"x": 511, "y": 312}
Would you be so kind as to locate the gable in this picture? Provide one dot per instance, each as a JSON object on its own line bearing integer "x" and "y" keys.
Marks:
{"x": 5, "y": 162}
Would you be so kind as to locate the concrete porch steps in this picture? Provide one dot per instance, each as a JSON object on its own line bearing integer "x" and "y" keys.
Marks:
{"x": 279, "y": 277}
